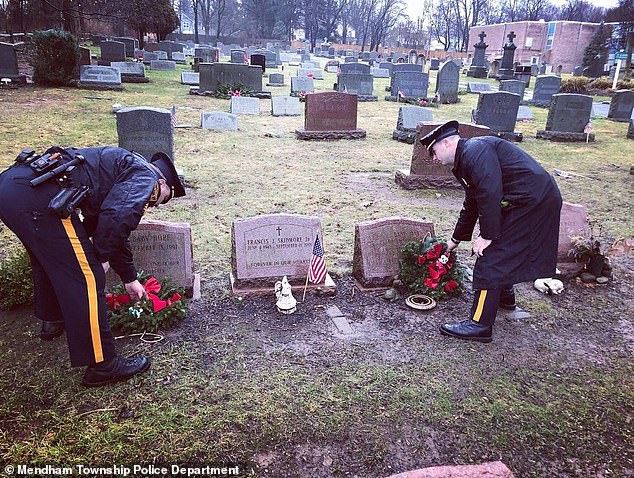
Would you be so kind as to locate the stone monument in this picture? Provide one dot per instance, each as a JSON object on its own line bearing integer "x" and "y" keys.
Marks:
{"x": 424, "y": 171}
{"x": 507, "y": 68}
{"x": 330, "y": 115}
{"x": 478, "y": 67}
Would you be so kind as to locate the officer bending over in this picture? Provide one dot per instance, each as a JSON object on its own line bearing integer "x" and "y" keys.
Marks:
{"x": 112, "y": 187}
{"x": 517, "y": 204}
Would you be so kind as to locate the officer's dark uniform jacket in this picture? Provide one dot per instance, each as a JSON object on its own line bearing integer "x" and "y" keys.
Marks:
{"x": 68, "y": 278}
{"x": 518, "y": 207}
{"x": 121, "y": 184}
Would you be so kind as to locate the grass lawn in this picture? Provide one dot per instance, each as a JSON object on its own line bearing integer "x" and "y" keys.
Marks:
{"x": 287, "y": 396}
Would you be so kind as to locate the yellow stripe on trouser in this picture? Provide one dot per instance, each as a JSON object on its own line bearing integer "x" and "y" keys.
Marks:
{"x": 91, "y": 287}
{"x": 481, "y": 301}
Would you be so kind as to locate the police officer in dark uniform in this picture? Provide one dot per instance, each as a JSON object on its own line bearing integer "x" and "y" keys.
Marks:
{"x": 69, "y": 256}
{"x": 517, "y": 204}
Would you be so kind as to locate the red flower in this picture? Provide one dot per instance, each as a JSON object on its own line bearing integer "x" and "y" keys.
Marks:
{"x": 436, "y": 271}
{"x": 113, "y": 301}
{"x": 451, "y": 285}
{"x": 421, "y": 259}
{"x": 434, "y": 252}
{"x": 430, "y": 283}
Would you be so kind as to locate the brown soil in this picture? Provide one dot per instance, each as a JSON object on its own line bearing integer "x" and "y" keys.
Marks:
{"x": 566, "y": 339}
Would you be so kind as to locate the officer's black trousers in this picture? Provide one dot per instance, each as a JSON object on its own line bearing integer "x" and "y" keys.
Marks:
{"x": 486, "y": 302}
{"x": 68, "y": 280}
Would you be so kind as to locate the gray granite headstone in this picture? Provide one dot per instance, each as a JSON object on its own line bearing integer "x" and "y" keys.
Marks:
{"x": 91, "y": 75}
{"x": 569, "y": 113}
{"x": 386, "y": 65}
{"x": 545, "y": 87}
{"x": 213, "y": 75}
{"x": 377, "y": 248}
{"x": 399, "y": 68}
{"x": 621, "y": 105}
{"x": 354, "y": 68}
{"x": 410, "y": 84}
{"x": 513, "y": 86}
{"x": 237, "y": 56}
{"x": 178, "y": 57}
{"x": 146, "y": 131}
{"x": 276, "y": 79}
{"x": 311, "y": 73}
{"x": 207, "y": 55}
{"x": 242, "y": 105}
{"x": 600, "y": 110}
{"x": 130, "y": 45}
{"x": 163, "y": 250}
{"x": 524, "y": 113}
{"x": 163, "y": 65}
{"x": 578, "y": 71}
{"x": 112, "y": 51}
{"x": 129, "y": 68}
{"x": 285, "y": 106}
{"x": 190, "y": 78}
{"x": 219, "y": 120}
{"x": 300, "y": 84}
{"x": 149, "y": 56}
{"x": 356, "y": 84}
{"x": 8, "y": 61}
{"x": 478, "y": 87}
{"x": 267, "y": 247}
{"x": 497, "y": 110}
{"x": 447, "y": 82}
{"x": 434, "y": 64}
{"x": 410, "y": 116}
{"x": 160, "y": 55}
{"x": 380, "y": 72}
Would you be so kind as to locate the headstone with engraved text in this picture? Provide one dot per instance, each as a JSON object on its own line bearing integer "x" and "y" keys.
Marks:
{"x": 377, "y": 248}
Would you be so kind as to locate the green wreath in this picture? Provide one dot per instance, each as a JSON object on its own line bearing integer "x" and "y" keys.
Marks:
{"x": 427, "y": 269}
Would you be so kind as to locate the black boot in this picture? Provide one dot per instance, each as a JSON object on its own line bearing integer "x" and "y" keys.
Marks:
{"x": 468, "y": 330}
{"x": 51, "y": 329}
{"x": 116, "y": 370}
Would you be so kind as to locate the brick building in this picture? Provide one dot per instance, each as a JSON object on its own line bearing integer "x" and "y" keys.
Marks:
{"x": 559, "y": 43}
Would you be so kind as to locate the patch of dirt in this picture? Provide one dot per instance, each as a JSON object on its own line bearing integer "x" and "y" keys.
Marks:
{"x": 381, "y": 186}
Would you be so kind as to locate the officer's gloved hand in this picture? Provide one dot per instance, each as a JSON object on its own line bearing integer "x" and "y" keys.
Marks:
{"x": 135, "y": 290}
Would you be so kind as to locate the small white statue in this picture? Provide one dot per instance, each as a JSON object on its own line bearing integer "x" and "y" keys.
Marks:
{"x": 286, "y": 303}
{"x": 549, "y": 286}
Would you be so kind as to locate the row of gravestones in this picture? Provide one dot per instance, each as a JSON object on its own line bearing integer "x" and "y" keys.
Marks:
{"x": 267, "y": 247}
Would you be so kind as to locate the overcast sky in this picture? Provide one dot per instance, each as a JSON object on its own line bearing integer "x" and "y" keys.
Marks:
{"x": 414, "y": 6}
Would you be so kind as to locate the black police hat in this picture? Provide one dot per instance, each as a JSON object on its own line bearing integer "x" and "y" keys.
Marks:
{"x": 165, "y": 165}
{"x": 443, "y": 131}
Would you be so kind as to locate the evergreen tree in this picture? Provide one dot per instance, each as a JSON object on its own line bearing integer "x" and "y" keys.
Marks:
{"x": 598, "y": 45}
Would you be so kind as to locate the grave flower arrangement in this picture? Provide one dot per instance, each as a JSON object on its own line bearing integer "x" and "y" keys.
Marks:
{"x": 427, "y": 268}
{"x": 164, "y": 306}
{"x": 302, "y": 96}
{"x": 227, "y": 91}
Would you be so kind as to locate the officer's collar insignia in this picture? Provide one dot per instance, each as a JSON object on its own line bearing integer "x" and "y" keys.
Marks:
{"x": 156, "y": 191}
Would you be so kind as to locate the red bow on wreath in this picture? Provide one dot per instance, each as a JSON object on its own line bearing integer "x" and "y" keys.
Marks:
{"x": 152, "y": 287}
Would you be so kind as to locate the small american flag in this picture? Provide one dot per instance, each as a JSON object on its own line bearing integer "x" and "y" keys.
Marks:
{"x": 317, "y": 270}
{"x": 173, "y": 116}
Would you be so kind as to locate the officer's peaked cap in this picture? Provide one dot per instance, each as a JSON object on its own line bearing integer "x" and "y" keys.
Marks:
{"x": 443, "y": 131}
{"x": 163, "y": 162}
